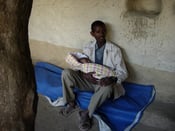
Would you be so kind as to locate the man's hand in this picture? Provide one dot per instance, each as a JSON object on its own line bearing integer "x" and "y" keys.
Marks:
{"x": 102, "y": 82}
{"x": 89, "y": 77}
{"x": 107, "y": 81}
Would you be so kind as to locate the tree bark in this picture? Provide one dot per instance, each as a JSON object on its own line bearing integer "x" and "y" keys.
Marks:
{"x": 17, "y": 84}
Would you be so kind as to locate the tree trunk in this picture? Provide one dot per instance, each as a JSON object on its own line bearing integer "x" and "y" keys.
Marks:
{"x": 17, "y": 83}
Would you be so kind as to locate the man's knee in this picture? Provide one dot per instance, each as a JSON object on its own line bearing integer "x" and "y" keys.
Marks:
{"x": 107, "y": 90}
{"x": 69, "y": 74}
{"x": 66, "y": 72}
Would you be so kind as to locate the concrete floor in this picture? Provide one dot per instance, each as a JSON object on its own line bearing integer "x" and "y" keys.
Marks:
{"x": 49, "y": 119}
{"x": 157, "y": 117}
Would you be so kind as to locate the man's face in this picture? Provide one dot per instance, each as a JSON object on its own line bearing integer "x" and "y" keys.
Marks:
{"x": 99, "y": 33}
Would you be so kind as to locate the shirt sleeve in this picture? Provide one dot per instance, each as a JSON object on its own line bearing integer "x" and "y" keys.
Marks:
{"x": 120, "y": 67}
{"x": 88, "y": 49}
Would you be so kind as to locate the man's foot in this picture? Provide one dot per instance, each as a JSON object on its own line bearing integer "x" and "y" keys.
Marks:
{"x": 69, "y": 109}
{"x": 84, "y": 121}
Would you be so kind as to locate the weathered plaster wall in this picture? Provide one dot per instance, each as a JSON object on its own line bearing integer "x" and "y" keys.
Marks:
{"x": 43, "y": 51}
{"x": 144, "y": 30}
{"x": 148, "y": 39}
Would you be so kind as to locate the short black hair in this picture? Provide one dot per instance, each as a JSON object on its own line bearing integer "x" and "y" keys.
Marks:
{"x": 97, "y": 23}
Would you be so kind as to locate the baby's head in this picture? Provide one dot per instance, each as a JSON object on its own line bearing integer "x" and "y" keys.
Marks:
{"x": 81, "y": 57}
{"x": 84, "y": 60}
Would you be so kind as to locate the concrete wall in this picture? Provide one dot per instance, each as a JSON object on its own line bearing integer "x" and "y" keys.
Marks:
{"x": 144, "y": 29}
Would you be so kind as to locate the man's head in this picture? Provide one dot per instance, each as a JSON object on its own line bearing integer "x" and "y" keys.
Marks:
{"x": 98, "y": 31}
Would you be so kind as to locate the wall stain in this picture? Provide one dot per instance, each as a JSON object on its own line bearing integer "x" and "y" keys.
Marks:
{"x": 174, "y": 8}
{"x": 140, "y": 27}
{"x": 141, "y": 21}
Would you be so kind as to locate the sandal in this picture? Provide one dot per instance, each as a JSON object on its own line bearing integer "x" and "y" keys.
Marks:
{"x": 66, "y": 111}
{"x": 84, "y": 121}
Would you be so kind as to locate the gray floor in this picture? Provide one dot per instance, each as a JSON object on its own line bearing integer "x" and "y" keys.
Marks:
{"x": 157, "y": 117}
{"x": 49, "y": 119}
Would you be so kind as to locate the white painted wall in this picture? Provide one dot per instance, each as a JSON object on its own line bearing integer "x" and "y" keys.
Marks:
{"x": 146, "y": 41}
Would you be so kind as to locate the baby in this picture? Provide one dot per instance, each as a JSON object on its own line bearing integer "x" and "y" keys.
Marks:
{"x": 81, "y": 61}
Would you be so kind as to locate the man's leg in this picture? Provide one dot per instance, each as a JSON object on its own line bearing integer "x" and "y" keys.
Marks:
{"x": 71, "y": 79}
{"x": 100, "y": 96}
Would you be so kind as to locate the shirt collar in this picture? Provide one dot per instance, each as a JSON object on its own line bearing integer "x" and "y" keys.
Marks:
{"x": 96, "y": 46}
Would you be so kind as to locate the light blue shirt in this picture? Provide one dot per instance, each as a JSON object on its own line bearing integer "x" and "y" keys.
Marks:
{"x": 99, "y": 54}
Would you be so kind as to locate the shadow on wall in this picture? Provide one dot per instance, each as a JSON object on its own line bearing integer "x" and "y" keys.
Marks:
{"x": 174, "y": 8}
{"x": 132, "y": 75}
{"x": 148, "y": 8}
{"x": 110, "y": 32}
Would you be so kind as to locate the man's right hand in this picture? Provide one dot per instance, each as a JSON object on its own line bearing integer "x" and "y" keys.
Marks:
{"x": 89, "y": 77}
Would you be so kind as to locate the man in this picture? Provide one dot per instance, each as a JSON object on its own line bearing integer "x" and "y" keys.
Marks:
{"x": 101, "y": 52}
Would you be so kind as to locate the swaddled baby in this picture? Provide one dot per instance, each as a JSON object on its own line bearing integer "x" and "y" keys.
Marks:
{"x": 80, "y": 61}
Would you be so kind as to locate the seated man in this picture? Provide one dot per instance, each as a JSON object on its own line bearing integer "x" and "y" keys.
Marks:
{"x": 101, "y": 52}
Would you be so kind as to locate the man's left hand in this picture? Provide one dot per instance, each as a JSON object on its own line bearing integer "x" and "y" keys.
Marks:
{"x": 107, "y": 81}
